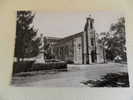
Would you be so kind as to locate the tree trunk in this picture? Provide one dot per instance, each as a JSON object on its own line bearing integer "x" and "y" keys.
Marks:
{"x": 18, "y": 59}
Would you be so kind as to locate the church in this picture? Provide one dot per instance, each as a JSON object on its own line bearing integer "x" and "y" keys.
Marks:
{"x": 81, "y": 48}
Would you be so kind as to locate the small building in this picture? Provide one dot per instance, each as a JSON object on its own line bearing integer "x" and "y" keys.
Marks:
{"x": 81, "y": 48}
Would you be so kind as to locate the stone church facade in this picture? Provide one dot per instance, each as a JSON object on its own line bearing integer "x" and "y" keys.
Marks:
{"x": 81, "y": 48}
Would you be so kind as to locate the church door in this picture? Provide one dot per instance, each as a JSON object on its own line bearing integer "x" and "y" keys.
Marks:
{"x": 93, "y": 56}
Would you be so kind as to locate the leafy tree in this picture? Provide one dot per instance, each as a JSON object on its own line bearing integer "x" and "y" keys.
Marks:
{"x": 114, "y": 41}
{"x": 103, "y": 39}
{"x": 117, "y": 45}
{"x": 25, "y": 44}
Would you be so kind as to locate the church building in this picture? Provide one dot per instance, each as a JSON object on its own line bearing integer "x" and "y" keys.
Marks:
{"x": 81, "y": 48}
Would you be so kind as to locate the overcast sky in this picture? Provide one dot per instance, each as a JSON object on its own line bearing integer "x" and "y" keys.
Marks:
{"x": 65, "y": 24}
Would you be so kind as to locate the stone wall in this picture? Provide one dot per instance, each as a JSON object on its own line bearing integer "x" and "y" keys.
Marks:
{"x": 78, "y": 50}
{"x": 64, "y": 50}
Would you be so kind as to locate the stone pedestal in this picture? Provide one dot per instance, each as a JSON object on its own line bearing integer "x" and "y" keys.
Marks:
{"x": 40, "y": 58}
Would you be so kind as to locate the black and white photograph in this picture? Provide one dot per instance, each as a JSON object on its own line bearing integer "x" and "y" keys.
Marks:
{"x": 70, "y": 49}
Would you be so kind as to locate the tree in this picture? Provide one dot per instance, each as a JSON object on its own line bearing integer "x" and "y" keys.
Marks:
{"x": 118, "y": 43}
{"x": 103, "y": 39}
{"x": 25, "y": 45}
{"x": 114, "y": 41}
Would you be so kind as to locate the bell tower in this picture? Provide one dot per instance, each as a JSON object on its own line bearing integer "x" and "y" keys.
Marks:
{"x": 89, "y": 41}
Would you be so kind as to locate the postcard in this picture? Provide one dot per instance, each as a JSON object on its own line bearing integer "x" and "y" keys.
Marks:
{"x": 85, "y": 49}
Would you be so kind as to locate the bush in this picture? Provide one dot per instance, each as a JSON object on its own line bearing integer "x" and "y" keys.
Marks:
{"x": 69, "y": 62}
{"x": 22, "y": 66}
{"x": 30, "y": 66}
{"x": 49, "y": 66}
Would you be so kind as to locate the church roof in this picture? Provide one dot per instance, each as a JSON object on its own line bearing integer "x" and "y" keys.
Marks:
{"x": 68, "y": 38}
{"x": 71, "y": 37}
{"x": 53, "y": 39}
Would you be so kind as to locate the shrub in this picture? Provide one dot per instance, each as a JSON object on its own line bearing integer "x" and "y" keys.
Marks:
{"x": 22, "y": 66}
{"x": 69, "y": 62}
{"x": 31, "y": 66}
{"x": 49, "y": 66}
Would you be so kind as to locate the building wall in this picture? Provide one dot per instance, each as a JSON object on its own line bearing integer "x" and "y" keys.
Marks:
{"x": 84, "y": 46}
{"x": 74, "y": 49}
{"x": 70, "y": 50}
{"x": 64, "y": 50}
{"x": 89, "y": 47}
{"x": 78, "y": 50}
{"x": 92, "y": 46}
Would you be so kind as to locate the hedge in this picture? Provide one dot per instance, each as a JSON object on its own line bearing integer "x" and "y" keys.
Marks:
{"x": 22, "y": 66}
{"x": 49, "y": 66}
{"x": 31, "y": 66}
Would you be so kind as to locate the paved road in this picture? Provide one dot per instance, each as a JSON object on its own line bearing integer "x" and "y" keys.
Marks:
{"x": 74, "y": 77}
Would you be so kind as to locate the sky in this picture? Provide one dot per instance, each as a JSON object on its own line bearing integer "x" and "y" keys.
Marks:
{"x": 55, "y": 24}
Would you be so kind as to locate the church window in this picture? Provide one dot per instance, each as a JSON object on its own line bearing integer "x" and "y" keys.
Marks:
{"x": 91, "y": 25}
{"x": 92, "y": 41}
{"x": 79, "y": 45}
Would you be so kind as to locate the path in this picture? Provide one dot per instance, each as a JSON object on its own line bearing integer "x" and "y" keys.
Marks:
{"x": 71, "y": 78}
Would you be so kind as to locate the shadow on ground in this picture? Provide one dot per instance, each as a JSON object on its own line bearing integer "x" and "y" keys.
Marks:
{"x": 110, "y": 80}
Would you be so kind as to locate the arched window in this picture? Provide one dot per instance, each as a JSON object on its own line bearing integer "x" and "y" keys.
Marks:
{"x": 91, "y": 25}
{"x": 92, "y": 41}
